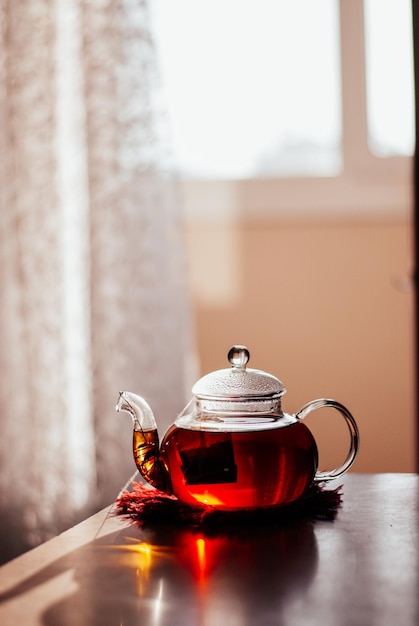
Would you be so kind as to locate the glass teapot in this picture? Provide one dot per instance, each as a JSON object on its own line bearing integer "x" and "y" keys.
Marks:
{"x": 233, "y": 447}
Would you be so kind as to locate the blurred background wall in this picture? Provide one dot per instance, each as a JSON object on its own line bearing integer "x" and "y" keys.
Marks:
{"x": 329, "y": 310}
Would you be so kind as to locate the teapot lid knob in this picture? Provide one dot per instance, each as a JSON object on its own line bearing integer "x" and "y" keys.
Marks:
{"x": 239, "y": 356}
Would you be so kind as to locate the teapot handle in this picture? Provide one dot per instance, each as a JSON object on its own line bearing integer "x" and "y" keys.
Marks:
{"x": 353, "y": 431}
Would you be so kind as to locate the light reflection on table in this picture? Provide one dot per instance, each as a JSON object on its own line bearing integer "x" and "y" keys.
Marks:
{"x": 360, "y": 569}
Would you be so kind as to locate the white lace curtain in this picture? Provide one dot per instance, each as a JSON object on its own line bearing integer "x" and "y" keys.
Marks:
{"x": 93, "y": 287}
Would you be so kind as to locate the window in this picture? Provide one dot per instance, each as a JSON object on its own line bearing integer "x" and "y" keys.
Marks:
{"x": 252, "y": 86}
{"x": 389, "y": 71}
{"x": 264, "y": 95}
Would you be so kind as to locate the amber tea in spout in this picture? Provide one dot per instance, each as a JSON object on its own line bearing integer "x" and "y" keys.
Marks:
{"x": 146, "y": 456}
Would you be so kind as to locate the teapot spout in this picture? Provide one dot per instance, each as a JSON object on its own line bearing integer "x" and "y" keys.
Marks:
{"x": 137, "y": 407}
{"x": 145, "y": 440}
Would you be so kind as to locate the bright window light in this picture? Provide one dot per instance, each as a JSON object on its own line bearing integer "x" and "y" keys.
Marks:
{"x": 388, "y": 30}
{"x": 252, "y": 86}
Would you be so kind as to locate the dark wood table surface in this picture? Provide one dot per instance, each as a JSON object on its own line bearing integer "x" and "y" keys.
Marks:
{"x": 360, "y": 569}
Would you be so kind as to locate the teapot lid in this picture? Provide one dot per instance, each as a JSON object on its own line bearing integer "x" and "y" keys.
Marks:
{"x": 230, "y": 388}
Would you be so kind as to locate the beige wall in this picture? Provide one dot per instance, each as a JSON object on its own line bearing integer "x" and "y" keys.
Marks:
{"x": 327, "y": 309}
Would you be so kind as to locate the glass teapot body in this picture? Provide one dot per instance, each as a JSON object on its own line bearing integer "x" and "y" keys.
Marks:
{"x": 232, "y": 447}
{"x": 241, "y": 462}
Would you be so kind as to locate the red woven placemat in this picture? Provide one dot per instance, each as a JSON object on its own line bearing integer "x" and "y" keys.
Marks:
{"x": 148, "y": 506}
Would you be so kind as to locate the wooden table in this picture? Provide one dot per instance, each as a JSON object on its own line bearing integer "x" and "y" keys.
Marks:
{"x": 361, "y": 569}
